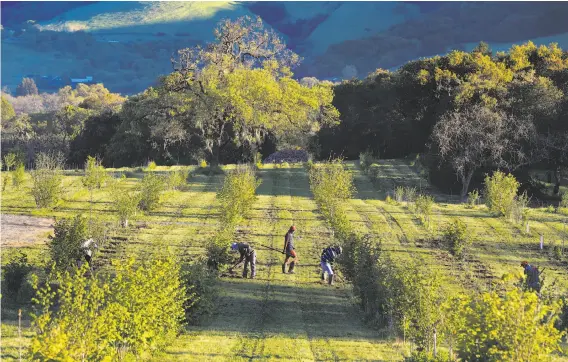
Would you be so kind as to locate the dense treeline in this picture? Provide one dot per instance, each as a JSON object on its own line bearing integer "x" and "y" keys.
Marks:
{"x": 469, "y": 112}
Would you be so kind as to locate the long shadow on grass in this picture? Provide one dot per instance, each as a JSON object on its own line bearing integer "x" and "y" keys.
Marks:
{"x": 326, "y": 314}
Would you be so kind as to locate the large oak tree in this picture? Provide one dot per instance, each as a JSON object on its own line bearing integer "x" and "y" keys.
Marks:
{"x": 242, "y": 82}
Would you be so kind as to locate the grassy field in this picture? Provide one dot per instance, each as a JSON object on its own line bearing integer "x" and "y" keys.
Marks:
{"x": 297, "y": 317}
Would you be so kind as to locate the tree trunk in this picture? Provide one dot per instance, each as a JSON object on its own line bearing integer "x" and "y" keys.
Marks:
{"x": 215, "y": 155}
{"x": 466, "y": 179}
{"x": 435, "y": 343}
{"x": 557, "y": 177}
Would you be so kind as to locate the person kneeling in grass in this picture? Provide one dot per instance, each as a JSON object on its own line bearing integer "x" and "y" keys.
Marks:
{"x": 248, "y": 254}
{"x": 327, "y": 258}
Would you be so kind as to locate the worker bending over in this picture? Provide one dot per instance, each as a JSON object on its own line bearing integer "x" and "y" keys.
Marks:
{"x": 327, "y": 258}
{"x": 248, "y": 254}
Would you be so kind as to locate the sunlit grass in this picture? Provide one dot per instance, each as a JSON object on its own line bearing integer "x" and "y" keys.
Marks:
{"x": 296, "y": 317}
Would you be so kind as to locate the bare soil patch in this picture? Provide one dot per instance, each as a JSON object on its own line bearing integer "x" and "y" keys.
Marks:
{"x": 22, "y": 230}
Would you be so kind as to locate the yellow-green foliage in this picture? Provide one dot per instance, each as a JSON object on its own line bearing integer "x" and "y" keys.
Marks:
{"x": 472, "y": 199}
{"x": 177, "y": 179}
{"x": 150, "y": 189}
{"x": 46, "y": 178}
{"x": 237, "y": 194}
{"x": 423, "y": 208}
{"x": 65, "y": 244}
{"x": 236, "y": 198}
{"x": 151, "y": 166}
{"x": 514, "y": 327}
{"x": 9, "y": 161}
{"x": 95, "y": 174}
{"x": 125, "y": 202}
{"x": 500, "y": 193}
{"x": 19, "y": 175}
{"x": 331, "y": 185}
{"x": 5, "y": 180}
{"x": 456, "y": 238}
{"x": 135, "y": 312}
{"x": 203, "y": 164}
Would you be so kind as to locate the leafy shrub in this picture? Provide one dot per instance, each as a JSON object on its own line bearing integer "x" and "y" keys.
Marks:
{"x": 14, "y": 279}
{"x": 131, "y": 314}
{"x": 456, "y": 239}
{"x": 19, "y": 175}
{"x": 410, "y": 194}
{"x": 9, "y": 161}
{"x": 65, "y": 245}
{"x": 237, "y": 194}
{"x": 472, "y": 199}
{"x": 331, "y": 185}
{"x": 284, "y": 165}
{"x": 203, "y": 164}
{"x": 201, "y": 283}
{"x": 557, "y": 252}
{"x": 515, "y": 327}
{"x": 389, "y": 200}
{"x": 259, "y": 165}
{"x": 217, "y": 250}
{"x": 236, "y": 197}
{"x": 150, "y": 189}
{"x": 423, "y": 208}
{"x": 519, "y": 209}
{"x": 399, "y": 194}
{"x": 151, "y": 166}
{"x": 564, "y": 200}
{"x": 366, "y": 159}
{"x": 46, "y": 179}
{"x": 500, "y": 192}
{"x": 95, "y": 174}
{"x": 177, "y": 179}
{"x": 5, "y": 180}
{"x": 125, "y": 203}
{"x": 550, "y": 209}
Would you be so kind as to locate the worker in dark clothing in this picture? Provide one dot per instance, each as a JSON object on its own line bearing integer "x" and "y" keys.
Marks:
{"x": 532, "y": 276}
{"x": 327, "y": 258}
{"x": 289, "y": 250}
{"x": 248, "y": 254}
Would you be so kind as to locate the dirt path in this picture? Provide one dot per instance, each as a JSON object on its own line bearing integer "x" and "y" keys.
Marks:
{"x": 21, "y": 230}
{"x": 282, "y": 316}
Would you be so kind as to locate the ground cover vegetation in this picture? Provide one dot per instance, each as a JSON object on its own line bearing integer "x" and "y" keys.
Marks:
{"x": 427, "y": 270}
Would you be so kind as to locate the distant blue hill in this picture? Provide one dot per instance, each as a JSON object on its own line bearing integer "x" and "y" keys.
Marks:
{"x": 127, "y": 45}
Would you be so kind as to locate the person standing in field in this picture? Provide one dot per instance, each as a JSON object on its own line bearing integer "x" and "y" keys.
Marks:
{"x": 289, "y": 250}
{"x": 328, "y": 256}
{"x": 248, "y": 254}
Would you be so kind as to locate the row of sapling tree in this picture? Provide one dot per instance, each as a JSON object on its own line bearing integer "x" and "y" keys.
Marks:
{"x": 407, "y": 295}
{"x": 130, "y": 309}
{"x": 236, "y": 197}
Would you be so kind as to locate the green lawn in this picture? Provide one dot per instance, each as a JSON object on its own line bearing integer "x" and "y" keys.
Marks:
{"x": 296, "y": 317}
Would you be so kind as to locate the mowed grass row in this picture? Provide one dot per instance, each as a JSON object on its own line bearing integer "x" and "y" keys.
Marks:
{"x": 296, "y": 317}
{"x": 499, "y": 245}
{"x": 281, "y": 316}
